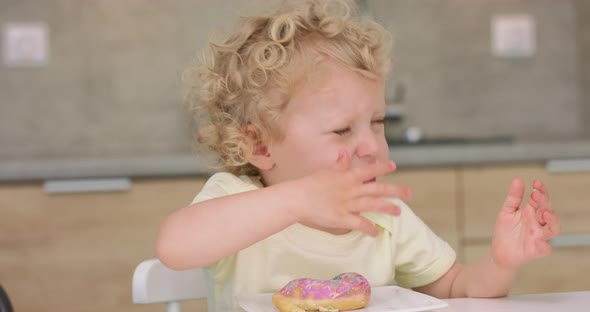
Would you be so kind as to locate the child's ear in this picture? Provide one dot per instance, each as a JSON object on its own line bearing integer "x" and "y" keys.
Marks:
{"x": 260, "y": 156}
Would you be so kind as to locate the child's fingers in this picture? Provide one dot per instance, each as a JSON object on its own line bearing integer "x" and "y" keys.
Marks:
{"x": 537, "y": 203}
{"x": 542, "y": 203}
{"x": 514, "y": 197}
{"x": 541, "y": 199}
{"x": 543, "y": 248}
{"x": 376, "y": 205}
{"x": 343, "y": 161}
{"x": 361, "y": 224}
{"x": 552, "y": 227}
{"x": 538, "y": 185}
{"x": 385, "y": 190}
{"x": 540, "y": 196}
{"x": 375, "y": 170}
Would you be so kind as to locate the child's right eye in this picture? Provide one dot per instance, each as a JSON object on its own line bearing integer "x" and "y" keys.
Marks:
{"x": 342, "y": 131}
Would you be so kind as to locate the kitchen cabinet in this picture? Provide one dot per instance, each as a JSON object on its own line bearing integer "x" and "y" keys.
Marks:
{"x": 562, "y": 271}
{"x": 434, "y": 198}
{"x": 77, "y": 252}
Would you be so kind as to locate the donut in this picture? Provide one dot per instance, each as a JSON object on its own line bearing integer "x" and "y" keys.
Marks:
{"x": 347, "y": 291}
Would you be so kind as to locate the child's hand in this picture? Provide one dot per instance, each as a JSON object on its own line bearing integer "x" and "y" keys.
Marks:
{"x": 521, "y": 234}
{"x": 334, "y": 198}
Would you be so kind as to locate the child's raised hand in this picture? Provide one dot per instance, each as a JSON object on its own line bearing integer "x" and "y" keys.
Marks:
{"x": 521, "y": 234}
{"x": 334, "y": 198}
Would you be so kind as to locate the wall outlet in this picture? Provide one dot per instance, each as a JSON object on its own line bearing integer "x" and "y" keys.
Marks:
{"x": 513, "y": 36}
{"x": 25, "y": 44}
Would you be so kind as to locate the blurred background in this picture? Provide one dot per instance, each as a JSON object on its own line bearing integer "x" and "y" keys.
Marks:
{"x": 96, "y": 148}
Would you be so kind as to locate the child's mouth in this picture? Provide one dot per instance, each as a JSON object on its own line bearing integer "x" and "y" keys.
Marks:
{"x": 371, "y": 180}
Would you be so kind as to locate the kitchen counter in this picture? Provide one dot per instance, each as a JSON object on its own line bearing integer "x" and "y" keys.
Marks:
{"x": 551, "y": 302}
{"x": 569, "y": 154}
{"x": 501, "y": 152}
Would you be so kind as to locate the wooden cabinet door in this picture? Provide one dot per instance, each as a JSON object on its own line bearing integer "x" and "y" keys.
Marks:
{"x": 433, "y": 199}
{"x": 77, "y": 252}
{"x": 565, "y": 270}
{"x": 485, "y": 188}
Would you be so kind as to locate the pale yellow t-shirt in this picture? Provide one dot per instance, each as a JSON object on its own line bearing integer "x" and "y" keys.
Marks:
{"x": 405, "y": 252}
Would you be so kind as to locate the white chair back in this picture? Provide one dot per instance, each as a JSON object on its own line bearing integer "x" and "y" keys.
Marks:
{"x": 155, "y": 283}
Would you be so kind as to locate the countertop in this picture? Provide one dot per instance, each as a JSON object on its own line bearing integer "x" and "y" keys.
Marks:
{"x": 490, "y": 153}
{"x": 573, "y": 154}
{"x": 550, "y": 302}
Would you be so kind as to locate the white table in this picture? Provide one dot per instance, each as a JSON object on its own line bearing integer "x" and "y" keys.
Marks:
{"x": 550, "y": 302}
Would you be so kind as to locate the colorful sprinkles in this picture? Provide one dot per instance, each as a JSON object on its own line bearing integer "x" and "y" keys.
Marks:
{"x": 345, "y": 284}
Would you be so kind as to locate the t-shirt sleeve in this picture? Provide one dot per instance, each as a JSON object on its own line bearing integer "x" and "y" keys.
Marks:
{"x": 212, "y": 189}
{"x": 219, "y": 185}
{"x": 421, "y": 256}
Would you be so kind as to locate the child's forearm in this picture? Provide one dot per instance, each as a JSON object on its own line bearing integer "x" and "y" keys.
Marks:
{"x": 483, "y": 279}
{"x": 203, "y": 233}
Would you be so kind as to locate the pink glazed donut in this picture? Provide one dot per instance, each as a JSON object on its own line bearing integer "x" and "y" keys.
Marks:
{"x": 347, "y": 291}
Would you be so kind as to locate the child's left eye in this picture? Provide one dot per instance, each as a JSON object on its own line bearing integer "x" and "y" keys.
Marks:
{"x": 342, "y": 131}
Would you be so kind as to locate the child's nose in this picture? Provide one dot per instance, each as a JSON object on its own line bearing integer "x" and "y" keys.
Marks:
{"x": 367, "y": 146}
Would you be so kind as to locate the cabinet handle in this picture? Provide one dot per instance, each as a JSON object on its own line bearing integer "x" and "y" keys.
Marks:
{"x": 87, "y": 185}
{"x": 570, "y": 240}
{"x": 568, "y": 165}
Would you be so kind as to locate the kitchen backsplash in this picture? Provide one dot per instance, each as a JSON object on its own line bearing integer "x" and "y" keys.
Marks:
{"x": 456, "y": 87}
{"x": 583, "y": 39}
{"x": 110, "y": 87}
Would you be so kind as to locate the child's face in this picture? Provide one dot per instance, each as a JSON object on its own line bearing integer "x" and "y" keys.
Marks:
{"x": 339, "y": 109}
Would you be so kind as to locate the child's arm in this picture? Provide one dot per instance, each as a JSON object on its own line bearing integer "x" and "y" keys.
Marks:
{"x": 520, "y": 235}
{"x": 205, "y": 232}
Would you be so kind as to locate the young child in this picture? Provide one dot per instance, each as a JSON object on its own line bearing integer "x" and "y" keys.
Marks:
{"x": 293, "y": 105}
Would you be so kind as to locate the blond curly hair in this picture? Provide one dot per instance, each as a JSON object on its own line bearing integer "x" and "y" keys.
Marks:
{"x": 248, "y": 79}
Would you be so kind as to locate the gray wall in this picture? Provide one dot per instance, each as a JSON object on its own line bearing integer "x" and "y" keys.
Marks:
{"x": 456, "y": 87}
{"x": 111, "y": 87}
{"x": 583, "y": 37}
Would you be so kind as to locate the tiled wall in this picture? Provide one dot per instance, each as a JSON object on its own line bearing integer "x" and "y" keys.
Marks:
{"x": 111, "y": 87}
{"x": 456, "y": 87}
{"x": 583, "y": 37}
